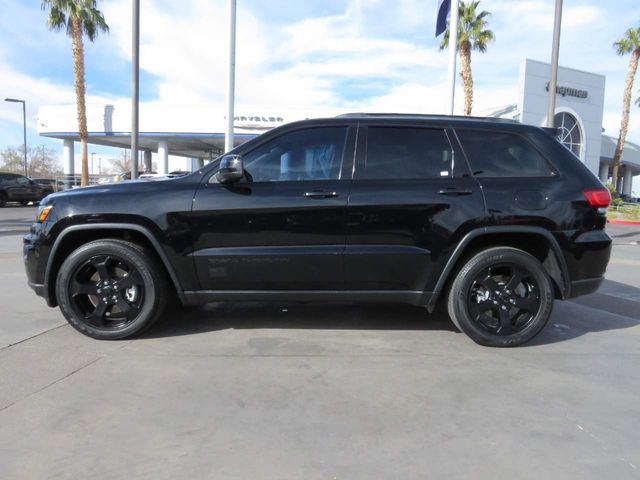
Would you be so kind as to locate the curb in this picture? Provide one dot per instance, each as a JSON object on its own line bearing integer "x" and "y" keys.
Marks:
{"x": 623, "y": 222}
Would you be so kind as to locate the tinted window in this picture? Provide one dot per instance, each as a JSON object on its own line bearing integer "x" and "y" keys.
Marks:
{"x": 22, "y": 180}
{"x": 407, "y": 153}
{"x": 314, "y": 154}
{"x": 501, "y": 154}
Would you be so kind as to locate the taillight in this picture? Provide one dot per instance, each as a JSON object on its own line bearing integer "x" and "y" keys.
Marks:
{"x": 598, "y": 197}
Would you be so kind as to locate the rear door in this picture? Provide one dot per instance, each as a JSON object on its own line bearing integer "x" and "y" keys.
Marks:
{"x": 412, "y": 199}
{"x": 516, "y": 177}
{"x": 283, "y": 226}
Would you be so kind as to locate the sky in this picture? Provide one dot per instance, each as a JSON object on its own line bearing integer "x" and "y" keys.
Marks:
{"x": 355, "y": 54}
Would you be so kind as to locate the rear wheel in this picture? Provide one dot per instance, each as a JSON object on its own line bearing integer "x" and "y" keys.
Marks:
{"x": 111, "y": 289}
{"x": 502, "y": 297}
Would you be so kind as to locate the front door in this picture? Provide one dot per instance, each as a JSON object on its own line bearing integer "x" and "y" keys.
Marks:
{"x": 411, "y": 201}
{"x": 282, "y": 227}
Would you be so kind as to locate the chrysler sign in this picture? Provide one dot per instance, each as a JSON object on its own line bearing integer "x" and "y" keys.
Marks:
{"x": 572, "y": 92}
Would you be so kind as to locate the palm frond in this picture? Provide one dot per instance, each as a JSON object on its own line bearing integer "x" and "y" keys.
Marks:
{"x": 61, "y": 11}
{"x": 629, "y": 42}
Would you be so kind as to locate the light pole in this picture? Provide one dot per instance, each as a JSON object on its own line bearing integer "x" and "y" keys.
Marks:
{"x": 231, "y": 79}
{"x": 92, "y": 154}
{"x": 555, "y": 53}
{"x": 24, "y": 127}
{"x": 135, "y": 86}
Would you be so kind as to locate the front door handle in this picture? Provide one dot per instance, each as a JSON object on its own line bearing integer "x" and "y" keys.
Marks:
{"x": 320, "y": 194}
{"x": 455, "y": 191}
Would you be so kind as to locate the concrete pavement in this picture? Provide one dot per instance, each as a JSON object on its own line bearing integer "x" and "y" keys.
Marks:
{"x": 327, "y": 392}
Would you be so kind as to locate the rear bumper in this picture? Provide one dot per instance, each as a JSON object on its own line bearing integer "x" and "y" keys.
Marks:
{"x": 587, "y": 256}
{"x": 579, "y": 288}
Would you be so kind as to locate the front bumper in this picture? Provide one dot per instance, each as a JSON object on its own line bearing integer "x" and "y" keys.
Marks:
{"x": 35, "y": 253}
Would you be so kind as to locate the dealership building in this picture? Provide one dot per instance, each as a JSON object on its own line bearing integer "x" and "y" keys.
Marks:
{"x": 196, "y": 133}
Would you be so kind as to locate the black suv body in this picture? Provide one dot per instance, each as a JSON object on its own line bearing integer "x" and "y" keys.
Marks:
{"x": 18, "y": 188}
{"x": 494, "y": 217}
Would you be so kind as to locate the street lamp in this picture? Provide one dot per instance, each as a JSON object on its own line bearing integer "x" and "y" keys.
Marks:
{"x": 24, "y": 127}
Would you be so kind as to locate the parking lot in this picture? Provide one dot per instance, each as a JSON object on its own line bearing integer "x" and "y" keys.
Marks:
{"x": 320, "y": 392}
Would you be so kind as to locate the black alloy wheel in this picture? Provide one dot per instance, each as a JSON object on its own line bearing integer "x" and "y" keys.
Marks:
{"x": 111, "y": 289}
{"x": 501, "y": 297}
{"x": 504, "y": 299}
{"x": 107, "y": 291}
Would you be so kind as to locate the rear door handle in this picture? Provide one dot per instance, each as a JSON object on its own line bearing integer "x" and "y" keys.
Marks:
{"x": 455, "y": 191}
{"x": 320, "y": 194}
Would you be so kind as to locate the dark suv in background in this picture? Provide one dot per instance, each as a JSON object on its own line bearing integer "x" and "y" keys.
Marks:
{"x": 495, "y": 218}
{"x": 18, "y": 188}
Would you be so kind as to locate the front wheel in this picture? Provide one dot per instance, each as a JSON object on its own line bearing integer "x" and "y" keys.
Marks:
{"x": 111, "y": 289}
{"x": 3, "y": 199}
{"x": 502, "y": 297}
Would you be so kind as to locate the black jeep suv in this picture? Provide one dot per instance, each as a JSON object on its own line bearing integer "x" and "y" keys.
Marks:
{"x": 496, "y": 218}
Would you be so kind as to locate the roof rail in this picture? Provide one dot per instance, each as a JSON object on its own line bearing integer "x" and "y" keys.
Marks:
{"x": 427, "y": 117}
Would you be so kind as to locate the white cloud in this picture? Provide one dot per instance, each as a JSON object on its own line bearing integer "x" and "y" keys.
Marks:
{"x": 375, "y": 54}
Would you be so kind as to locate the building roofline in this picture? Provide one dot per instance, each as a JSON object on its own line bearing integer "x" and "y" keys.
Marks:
{"x": 565, "y": 68}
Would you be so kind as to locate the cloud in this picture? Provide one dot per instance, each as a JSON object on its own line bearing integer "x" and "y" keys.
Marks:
{"x": 358, "y": 54}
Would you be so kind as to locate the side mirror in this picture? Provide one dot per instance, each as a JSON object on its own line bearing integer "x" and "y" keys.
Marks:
{"x": 231, "y": 169}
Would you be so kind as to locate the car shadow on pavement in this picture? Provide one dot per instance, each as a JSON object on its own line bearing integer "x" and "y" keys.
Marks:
{"x": 615, "y": 306}
{"x": 221, "y": 316}
{"x": 591, "y": 314}
{"x": 569, "y": 320}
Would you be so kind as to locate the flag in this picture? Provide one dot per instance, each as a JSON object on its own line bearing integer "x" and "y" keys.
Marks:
{"x": 444, "y": 9}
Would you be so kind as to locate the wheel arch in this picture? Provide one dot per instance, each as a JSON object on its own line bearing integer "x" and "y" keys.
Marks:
{"x": 546, "y": 250}
{"x": 74, "y": 236}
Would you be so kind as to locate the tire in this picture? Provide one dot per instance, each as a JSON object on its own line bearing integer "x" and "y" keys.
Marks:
{"x": 111, "y": 289}
{"x": 3, "y": 199}
{"x": 501, "y": 297}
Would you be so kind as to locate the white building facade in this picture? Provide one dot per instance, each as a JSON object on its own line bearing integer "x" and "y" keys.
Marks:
{"x": 197, "y": 131}
{"x": 578, "y": 117}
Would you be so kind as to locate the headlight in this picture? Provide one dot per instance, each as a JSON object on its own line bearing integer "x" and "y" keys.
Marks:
{"x": 43, "y": 212}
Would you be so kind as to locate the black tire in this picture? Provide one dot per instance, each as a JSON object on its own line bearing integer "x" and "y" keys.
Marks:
{"x": 3, "y": 199}
{"x": 111, "y": 289}
{"x": 501, "y": 297}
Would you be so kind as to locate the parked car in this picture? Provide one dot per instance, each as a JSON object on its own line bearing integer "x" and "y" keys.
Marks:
{"x": 495, "y": 218}
{"x": 18, "y": 188}
{"x": 50, "y": 184}
{"x": 178, "y": 173}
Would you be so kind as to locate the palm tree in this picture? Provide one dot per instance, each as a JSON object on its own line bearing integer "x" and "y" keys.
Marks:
{"x": 472, "y": 35}
{"x": 630, "y": 43}
{"x": 80, "y": 18}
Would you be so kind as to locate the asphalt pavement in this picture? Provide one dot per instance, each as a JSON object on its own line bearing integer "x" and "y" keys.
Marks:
{"x": 320, "y": 391}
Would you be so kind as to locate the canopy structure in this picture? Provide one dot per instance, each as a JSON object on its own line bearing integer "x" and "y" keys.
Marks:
{"x": 193, "y": 131}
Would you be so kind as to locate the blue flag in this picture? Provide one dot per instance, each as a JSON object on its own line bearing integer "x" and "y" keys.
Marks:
{"x": 444, "y": 9}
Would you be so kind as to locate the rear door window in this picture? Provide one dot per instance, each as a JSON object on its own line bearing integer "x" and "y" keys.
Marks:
{"x": 407, "y": 153}
{"x": 502, "y": 154}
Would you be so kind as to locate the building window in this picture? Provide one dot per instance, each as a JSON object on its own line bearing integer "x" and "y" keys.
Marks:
{"x": 569, "y": 133}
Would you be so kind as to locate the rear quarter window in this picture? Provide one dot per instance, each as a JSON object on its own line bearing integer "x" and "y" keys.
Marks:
{"x": 502, "y": 154}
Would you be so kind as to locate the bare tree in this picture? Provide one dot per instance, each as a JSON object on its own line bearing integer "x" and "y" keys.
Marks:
{"x": 41, "y": 161}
